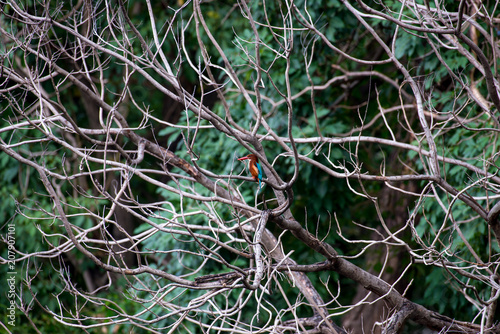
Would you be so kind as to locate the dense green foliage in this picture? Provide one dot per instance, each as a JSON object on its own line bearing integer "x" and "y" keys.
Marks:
{"x": 330, "y": 88}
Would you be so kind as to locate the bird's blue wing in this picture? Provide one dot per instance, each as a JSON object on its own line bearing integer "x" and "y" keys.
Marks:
{"x": 260, "y": 173}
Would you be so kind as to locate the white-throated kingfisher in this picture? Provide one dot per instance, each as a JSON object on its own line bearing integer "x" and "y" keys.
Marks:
{"x": 254, "y": 167}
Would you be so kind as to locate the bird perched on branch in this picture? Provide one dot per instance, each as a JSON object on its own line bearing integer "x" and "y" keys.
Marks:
{"x": 254, "y": 167}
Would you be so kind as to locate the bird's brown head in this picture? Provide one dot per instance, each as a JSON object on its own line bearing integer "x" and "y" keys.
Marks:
{"x": 249, "y": 157}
